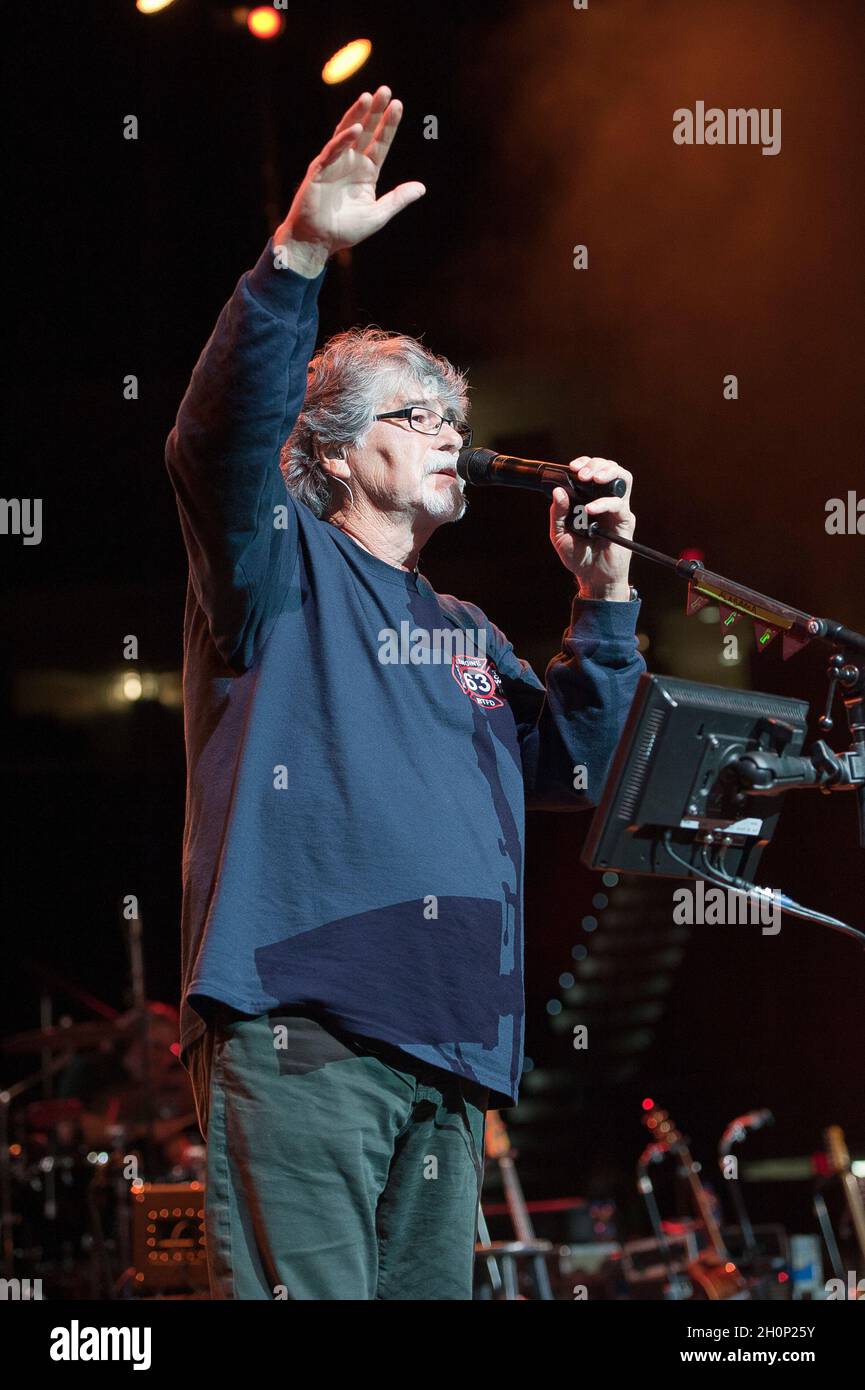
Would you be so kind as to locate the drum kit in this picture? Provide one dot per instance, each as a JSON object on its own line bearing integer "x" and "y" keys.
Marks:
{"x": 85, "y": 1167}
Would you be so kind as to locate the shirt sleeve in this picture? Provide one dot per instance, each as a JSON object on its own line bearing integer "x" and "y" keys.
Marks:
{"x": 238, "y": 519}
{"x": 570, "y": 723}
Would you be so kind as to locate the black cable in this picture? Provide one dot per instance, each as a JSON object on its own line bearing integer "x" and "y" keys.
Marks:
{"x": 786, "y": 903}
{"x": 721, "y": 879}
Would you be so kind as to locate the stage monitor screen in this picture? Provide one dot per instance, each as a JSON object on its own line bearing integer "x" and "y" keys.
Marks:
{"x": 672, "y": 772}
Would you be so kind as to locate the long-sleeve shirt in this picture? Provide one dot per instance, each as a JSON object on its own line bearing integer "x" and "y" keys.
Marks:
{"x": 354, "y": 829}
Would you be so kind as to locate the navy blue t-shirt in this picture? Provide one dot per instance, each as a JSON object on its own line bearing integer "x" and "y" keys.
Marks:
{"x": 360, "y": 749}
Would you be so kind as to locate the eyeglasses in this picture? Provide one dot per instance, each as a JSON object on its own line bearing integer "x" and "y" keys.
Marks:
{"x": 426, "y": 421}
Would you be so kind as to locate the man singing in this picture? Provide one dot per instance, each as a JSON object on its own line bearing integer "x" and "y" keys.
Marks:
{"x": 353, "y": 851}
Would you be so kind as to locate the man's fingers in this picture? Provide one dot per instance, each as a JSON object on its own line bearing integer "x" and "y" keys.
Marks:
{"x": 337, "y": 144}
{"x": 376, "y": 148}
{"x": 598, "y": 470}
{"x": 610, "y": 506}
{"x": 372, "y": 121}
{"x": 368, "y": 126}
{"x": 356, "y": 112}
{"x": 559, "y": 509}
{"x": 599, "y": 474}
{"x": 391, "y": 203}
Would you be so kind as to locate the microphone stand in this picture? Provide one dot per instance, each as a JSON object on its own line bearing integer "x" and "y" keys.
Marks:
{"x": 749, "y": 1240}
{"x": 735, "y": 1133}
{"x": 760, "y": 772}
{"x": 655, "y": 1153}
{"x": 829, "y": 770}
{"x": 834, "y": 771}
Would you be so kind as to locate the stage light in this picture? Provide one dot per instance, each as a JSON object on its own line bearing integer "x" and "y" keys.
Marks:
{"x": 648, "y": 1103}
{"x": 132, "y": 686}
{"x": 152, "y": 6}
{"x": 346, "y": 62}
{"x": 263, "y": 22}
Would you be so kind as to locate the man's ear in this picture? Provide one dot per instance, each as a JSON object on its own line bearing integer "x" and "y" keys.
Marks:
{"x": 333, "y": 462}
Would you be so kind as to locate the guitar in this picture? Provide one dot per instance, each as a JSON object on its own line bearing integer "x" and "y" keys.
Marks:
{"x": 497, "y": 1145}
{"x": 713, "y": 1273}
{"x": 839, "y": 1157}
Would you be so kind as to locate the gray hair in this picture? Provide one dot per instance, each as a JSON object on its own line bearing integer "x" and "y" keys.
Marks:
{"x": 347, "y": 380}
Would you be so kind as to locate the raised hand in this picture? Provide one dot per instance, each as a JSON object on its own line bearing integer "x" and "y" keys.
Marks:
{"x": 336, "y": 205}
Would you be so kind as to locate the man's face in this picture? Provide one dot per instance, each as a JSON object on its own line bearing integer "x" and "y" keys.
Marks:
{"x": 400, "y": 470}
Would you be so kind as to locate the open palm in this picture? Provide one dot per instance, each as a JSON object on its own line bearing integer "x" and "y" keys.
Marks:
{"x": 336, "y": 205}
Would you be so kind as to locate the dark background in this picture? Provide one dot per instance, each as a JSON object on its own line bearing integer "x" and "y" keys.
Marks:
{"x": 555, "y": 128}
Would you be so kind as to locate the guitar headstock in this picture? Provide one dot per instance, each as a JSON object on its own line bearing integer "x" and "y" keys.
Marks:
{"x": 497, "y": 1142}
{"x": 839, "y": 1154}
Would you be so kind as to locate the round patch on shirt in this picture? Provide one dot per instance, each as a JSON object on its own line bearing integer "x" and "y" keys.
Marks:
{"x": 478, "y": 678}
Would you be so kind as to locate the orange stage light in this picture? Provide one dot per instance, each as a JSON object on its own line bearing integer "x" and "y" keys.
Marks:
{"x": 346, "y": 62}
{"x": 152, "y": 6}
{"x": 263, "y": 22}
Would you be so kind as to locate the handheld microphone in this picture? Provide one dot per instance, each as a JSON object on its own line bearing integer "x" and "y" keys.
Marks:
{"x": 486, "y": 468}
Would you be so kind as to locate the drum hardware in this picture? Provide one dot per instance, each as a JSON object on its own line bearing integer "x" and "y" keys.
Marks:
{"x": 68, "y": 1174}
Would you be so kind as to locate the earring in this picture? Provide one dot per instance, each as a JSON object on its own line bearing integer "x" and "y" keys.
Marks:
{"x": 347, "y": 488}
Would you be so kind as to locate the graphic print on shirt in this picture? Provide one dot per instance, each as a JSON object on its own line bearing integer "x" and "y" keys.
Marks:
{"x": 478, "y": 678}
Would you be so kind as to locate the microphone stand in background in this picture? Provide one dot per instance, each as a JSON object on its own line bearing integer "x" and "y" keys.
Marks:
{"x": 735, "y": 1133}
{"x": 677, "y": 1287}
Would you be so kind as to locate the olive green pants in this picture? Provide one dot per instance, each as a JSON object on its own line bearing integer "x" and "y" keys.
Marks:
{"x": 337, "y": 1167}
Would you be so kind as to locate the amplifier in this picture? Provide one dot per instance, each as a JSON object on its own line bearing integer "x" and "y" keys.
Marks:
{"x": 168, "y": 1250}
